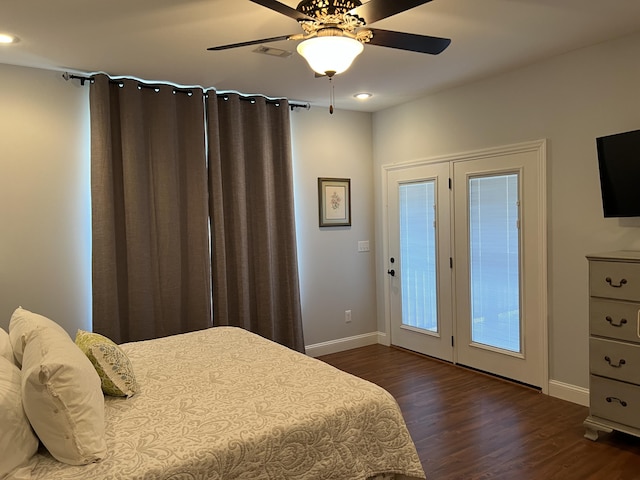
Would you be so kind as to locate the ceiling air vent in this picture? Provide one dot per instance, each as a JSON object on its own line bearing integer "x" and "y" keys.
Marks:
{"x": 274, "y": 52}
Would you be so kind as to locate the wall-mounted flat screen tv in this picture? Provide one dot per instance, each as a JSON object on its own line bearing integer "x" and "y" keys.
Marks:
{"x": 619, "y": 162}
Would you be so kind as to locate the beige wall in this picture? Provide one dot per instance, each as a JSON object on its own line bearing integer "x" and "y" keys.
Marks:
{"x": 569, "y": 100}
{"x": 44, "y": 197}
{"x": 334, "y": 276}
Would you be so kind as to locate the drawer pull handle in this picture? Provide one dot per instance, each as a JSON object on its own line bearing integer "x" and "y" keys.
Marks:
{"x": 616, "y": 399}
{"x": 622, "y": 282}
{"x": 620, "y": 363}
{"x": 610, "y": 320}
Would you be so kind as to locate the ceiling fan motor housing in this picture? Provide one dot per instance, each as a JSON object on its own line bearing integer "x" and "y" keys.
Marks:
{"x": 323, "y": 8}
{"x": 331, "y": 32}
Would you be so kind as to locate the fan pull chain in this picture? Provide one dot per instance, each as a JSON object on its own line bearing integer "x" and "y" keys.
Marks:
{"x": 332, "y": 95}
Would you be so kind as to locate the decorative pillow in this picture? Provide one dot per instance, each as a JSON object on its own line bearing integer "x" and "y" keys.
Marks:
{"x": 18, "y": 443}
{"x": 22, "y": 324}
{"x": 6, "y": 350}
{"x": 62, "y": 398}
{"x": 111, "y": 363}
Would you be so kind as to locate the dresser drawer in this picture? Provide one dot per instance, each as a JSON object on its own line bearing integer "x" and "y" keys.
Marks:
{"x": 614, "y": 280}
{"x": 615, "y": 401}
{"x": 617, "y": 360}
{"x": 614, "y": 319}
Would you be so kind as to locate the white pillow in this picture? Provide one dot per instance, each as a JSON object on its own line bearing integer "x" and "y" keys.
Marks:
{"x": 6, "y": 350}
{"x": 18, "y": 443}
{"x": 62, "y": 397}
{"x": 22, "y": 323}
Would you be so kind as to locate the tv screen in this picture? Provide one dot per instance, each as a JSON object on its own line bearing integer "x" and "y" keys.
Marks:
{"x": 619, "y": 162}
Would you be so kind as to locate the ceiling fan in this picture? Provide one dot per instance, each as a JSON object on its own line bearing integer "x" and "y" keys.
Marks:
{"x": 335, "y": 31}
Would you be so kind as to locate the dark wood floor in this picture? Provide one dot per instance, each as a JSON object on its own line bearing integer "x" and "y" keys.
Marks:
{"x": 471, "y": 426}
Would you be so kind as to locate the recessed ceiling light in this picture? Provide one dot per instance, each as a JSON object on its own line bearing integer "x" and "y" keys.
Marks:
{"x": 363, "y": 96}
{"x": 6, "y": 38}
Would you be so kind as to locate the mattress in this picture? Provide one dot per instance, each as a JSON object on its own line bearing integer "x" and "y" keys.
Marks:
{"x": 226, "y": 404}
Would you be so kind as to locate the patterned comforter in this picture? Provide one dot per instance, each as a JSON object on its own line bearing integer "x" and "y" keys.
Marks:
{"x": 225, "y": 404}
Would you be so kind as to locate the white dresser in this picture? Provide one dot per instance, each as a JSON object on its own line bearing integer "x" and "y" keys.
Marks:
{"x": 614, "y": 343}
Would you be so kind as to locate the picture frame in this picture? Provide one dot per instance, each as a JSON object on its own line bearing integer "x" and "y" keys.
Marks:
{"x": 334, "y": 202}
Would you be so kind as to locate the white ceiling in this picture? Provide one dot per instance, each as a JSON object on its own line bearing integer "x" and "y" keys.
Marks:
{"x": 167, "y": 40}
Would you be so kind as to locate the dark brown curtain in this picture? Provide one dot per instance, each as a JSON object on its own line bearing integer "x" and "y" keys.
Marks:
{"x": 254, "y": 261}
{"x": 151, "y": 260}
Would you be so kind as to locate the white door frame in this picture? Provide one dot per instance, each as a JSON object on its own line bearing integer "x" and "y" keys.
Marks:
{"x": 537, "y": 146}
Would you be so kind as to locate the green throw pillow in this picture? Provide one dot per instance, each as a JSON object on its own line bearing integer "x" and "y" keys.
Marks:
{"x": 111, "y": 363}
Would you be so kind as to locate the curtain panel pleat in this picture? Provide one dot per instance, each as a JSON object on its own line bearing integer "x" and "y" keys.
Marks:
{"x": 254, "y": 260}
{"x": 151, "y": 275}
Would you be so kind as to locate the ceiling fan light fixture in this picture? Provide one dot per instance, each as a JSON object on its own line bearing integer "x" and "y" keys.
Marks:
{"x": 330, "y": 54}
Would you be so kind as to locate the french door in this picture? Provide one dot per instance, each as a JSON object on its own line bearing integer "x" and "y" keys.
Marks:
{"x": 418, "y": 269}
{"x": 466, "y": 265}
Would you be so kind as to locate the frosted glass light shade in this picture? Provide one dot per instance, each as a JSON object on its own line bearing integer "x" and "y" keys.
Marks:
{"x": 330, "y": 54}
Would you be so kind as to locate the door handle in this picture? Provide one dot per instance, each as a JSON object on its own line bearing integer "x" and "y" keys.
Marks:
{"x": 392, "y": 272}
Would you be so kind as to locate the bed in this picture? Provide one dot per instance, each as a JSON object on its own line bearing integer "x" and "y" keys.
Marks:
{"x": 226, "y": 404}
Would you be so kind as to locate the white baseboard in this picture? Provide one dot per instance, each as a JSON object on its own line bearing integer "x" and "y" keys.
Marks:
{"x": 342, "y": 344}
{"x": 570, "y": 393}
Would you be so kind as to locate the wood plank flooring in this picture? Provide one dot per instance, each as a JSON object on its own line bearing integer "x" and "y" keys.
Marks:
{"x": 470, "y": 426}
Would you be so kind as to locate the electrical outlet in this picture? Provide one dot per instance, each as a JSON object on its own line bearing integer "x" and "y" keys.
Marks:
{"x": 347, "y": 316}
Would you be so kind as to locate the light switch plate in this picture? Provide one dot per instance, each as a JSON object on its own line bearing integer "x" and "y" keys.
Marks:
{"x": 363, "y": 246}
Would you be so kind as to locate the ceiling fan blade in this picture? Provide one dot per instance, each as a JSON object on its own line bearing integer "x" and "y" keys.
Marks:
{"x": 252, "y": 42}
{"x": 409, "y": 41}
{"x": 283, "y": 9}
{"x": 375, "y": 10}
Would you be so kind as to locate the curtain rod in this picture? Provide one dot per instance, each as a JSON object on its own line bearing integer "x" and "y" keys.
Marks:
{"x": 83, "y": 79}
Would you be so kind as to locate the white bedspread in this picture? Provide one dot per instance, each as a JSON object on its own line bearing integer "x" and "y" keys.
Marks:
{"x": 225, "y": 404}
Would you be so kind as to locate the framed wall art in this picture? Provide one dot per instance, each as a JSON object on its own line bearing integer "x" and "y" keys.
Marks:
{"x": 334, "y": 202}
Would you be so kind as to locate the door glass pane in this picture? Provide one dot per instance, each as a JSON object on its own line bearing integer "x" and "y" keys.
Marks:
{"x": 494, "y": 254}
{"x": 418, "y": 255}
